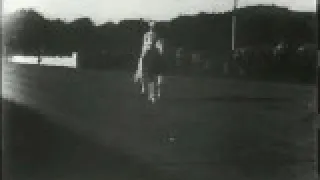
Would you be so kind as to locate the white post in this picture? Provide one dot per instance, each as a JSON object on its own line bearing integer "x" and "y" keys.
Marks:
{"x": 234, "y": 24}
{"x": 75, "y": 59}
{"x": 226, "y": 65}
{"x": 241, "y": 71}
{"x": 74, "y": 55}
{"x": 233, "y": 31}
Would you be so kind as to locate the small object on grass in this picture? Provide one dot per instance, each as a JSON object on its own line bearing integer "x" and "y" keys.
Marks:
{"x": 172, "y": 139}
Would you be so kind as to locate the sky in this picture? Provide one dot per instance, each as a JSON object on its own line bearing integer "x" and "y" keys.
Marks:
{"x": 101, "y": 11}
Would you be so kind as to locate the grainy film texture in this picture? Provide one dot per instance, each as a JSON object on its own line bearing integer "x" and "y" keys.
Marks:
{"x": 159, "y": 90}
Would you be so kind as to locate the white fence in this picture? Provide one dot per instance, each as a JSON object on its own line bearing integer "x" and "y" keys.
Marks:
{"x": 65, "y": 61}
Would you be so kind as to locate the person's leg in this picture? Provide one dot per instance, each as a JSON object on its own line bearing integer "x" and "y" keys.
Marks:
{"x": 151, "y": 91}
{"x": 142, "y": 85}
{"x": 158, "y": 83}
{"x": 152, "y": 88}
{"x": 153, "y": 99}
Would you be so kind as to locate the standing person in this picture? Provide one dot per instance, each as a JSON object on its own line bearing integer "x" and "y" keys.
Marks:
{"x": 151, "y": 64}
{"x": 138, "y": 77}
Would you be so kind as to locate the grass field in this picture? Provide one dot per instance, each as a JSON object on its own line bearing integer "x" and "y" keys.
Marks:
{"x": 99, "y": 127}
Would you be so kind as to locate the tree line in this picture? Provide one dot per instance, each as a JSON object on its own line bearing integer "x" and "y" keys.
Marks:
{"x": 118, "y": 45}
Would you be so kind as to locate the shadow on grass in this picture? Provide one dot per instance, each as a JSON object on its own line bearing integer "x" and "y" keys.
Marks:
{"x": 37, "y": 149}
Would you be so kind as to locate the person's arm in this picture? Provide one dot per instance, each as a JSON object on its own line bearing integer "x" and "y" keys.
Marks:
{"x": 142, "y": 53}
{"x": 138, "y": 73}
{"x": 159, "y": 45}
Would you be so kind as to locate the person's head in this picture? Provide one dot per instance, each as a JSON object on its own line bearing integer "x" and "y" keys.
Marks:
{"x": 152, "y": 29}
{"x": 151, "y": 24}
